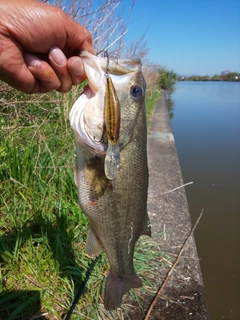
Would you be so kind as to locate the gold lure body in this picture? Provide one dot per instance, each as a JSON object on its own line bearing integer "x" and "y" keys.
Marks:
{"x": 112, "y": 123}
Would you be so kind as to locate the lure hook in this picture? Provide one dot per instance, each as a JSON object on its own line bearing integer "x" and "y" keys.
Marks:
{"x": 103, "y": 139}
{"x": 106, "y": 55}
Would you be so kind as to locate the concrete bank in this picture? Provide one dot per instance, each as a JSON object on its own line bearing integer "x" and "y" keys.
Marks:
{"x": 183, "y": 296}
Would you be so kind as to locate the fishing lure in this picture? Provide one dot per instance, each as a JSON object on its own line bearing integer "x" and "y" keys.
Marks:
{"x": 112, "y": 123}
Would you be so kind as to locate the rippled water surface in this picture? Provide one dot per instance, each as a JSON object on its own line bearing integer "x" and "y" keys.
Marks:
{"x": 206, "y": 126}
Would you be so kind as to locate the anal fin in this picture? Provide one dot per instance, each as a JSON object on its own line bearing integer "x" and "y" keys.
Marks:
{"x": 76, "y": 174}
{"x": 93, "y": 245}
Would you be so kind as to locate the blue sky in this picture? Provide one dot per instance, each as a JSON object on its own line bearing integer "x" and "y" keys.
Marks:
{"x": 189, "y": 36}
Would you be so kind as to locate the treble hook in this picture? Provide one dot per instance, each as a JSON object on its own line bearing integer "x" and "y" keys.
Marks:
{"x": 106, "y": 56}
{"x": 103, "y": 139}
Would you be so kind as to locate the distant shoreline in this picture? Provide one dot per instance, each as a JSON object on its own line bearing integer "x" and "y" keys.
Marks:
{"x": 230, "y": 76}
{"x": 190, "y": 80}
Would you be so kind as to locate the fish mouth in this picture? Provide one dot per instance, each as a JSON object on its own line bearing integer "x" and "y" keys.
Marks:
{"x": 89, "y": 126}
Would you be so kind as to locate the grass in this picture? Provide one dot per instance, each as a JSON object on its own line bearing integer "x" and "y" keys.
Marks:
{"x": 151, "y": 99}
{"x": 42, "y": 228}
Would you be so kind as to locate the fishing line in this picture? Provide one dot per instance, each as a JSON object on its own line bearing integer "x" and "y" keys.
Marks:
{"x": 81, "y": 290}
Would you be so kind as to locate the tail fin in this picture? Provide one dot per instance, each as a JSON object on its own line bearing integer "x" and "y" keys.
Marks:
{"x": 116, "y": 287}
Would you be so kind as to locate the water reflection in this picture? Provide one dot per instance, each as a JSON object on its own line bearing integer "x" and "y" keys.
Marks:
{"x": 170, "y": 104}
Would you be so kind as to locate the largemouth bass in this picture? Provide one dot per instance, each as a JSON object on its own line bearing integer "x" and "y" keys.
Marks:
{"x": 117, "y": 206}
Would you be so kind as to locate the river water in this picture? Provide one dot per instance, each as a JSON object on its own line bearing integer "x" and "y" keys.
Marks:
{"x": 206, "y": 127}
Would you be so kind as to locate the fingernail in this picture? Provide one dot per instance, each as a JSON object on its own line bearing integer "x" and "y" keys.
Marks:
{"x": 57, "y": 56}
{"x": 31, "y": 60}
{"x": 76, "y": 68}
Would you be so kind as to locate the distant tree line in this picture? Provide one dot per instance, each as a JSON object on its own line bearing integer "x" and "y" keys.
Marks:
{"x": 166, "y": 79}
{"x": 224, "y": 76}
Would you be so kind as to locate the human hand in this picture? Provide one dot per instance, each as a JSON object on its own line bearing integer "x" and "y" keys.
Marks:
{"x": 39, "y": 47}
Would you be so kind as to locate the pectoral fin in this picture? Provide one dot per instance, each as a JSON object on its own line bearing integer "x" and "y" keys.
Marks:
{"x": 76, "y": 174}
{"x": 93, "y": 245}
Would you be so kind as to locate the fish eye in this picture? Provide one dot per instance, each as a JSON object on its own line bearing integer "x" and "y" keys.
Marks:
{"x": 136, "y": 91}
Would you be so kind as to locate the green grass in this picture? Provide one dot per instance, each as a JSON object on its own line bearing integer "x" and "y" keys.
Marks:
{"x": 151, "y": 99}
{"x": 42, "y": 229}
